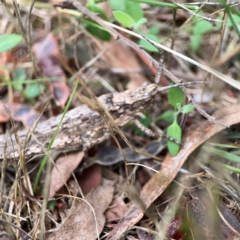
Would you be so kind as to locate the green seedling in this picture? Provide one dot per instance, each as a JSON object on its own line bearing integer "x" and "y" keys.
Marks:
{"x": 176, "y": 99}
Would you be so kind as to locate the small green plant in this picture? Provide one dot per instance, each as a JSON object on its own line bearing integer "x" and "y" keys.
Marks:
{"x": 174, "y": 131}
{"x": 9, "y": 41}
{"x": 176, "y": 99}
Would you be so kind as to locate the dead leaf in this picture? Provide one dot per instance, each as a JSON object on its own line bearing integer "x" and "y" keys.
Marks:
{"x": 90, "y": 178}
{"x": 117, "y": 210}
{"x": 81, "y": 224}
{"x": 63, "y": 169}
{"x": 120, "y": 56}
{"x": 193, "y": 138}
{"x": 47, "y": 55}
{"x": 142, "y": 235}
{"x": 174, "y": 229}
{"x": 20, "y": 112}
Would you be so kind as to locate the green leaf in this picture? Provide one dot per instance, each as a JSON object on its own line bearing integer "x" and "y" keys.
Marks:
{"x": 175, "y": 95}
{"x": 124, "y": 18}
{"x": 175, "y": 132}
{"x": 179, "y": 107}
{"x": 148, "y": 46}
{"x": 187, "y": 108}
{"x": 154, "y": 30}
{"x": 196, "y": 41}
{"x": 117, "y": 5}
{"x": 134, "y": 10}
{"x": 202, "y": 27}
{"x": 97, "y": 30}
{"x": 34, "y": 90}
{"x": 197, "y": 18}
{"x": 139, "y": 23}
{"x": 167, "y": 116}
{"x": 94, "y": 28}
{"x": 9, "y": 41}
{"x": 99, "y": 33}
{"x": 91, "y": 2}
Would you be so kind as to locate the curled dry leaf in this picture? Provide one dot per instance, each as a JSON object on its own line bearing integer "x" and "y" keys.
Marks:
{"x": 47, "y": 53}
{"x": 81, "y": 224}
{"x": 193, "y": 138}
{"x": 19, "y": 112}
{"x": 63, "y": 169}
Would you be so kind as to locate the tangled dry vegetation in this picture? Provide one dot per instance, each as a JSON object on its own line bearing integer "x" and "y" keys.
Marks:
{"x": 129, "y": 182}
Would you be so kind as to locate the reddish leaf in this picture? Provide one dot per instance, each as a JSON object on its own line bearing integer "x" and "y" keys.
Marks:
{"x": 60, "y": 91}
{"x": 91, "y": 178}
{"x": 47, "y": 54}
{"x": 174, "y": 229}
{"x": 19, "y": 112}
